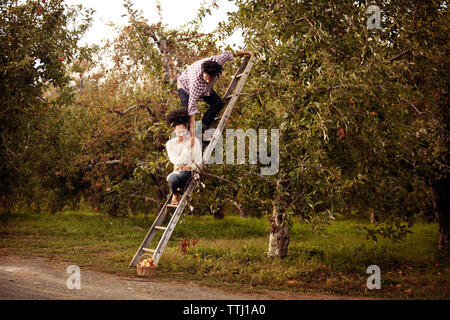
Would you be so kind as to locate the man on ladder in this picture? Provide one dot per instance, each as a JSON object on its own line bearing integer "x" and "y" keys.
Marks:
{"x": 196, "y": 82}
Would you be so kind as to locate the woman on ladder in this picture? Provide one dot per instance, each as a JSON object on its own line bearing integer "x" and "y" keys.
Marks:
{"x": 186, "y": 158}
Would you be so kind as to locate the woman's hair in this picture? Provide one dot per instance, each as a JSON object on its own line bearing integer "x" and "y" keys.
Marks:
{"x": 212, "y": 68}
{"x": 177, "y": 117}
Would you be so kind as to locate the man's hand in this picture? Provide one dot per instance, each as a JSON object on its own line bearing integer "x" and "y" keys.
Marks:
{"x": 244, "y": 53}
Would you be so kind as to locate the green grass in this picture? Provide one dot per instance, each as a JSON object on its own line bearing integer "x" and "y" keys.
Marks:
{"x": 232, "y": 253}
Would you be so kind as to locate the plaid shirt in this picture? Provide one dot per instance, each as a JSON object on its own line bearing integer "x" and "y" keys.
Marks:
{"x": 191, "y": 80}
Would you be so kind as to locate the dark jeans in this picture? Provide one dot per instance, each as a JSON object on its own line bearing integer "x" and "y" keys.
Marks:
{"x": 213, "y": 100}
{"x": 178, "y": 180}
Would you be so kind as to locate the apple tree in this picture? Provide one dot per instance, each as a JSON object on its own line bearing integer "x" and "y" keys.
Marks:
{"x": 362, "y": 112}
{"x": 38, "y": 41}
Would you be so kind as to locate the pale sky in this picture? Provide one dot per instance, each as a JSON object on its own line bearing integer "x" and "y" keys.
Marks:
{"x": 175, "y": 13}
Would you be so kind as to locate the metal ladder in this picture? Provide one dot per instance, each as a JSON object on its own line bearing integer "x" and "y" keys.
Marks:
{"x": 232, "y": 94}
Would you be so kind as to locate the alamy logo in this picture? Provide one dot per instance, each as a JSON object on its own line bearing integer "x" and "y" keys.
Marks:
{"x": 374, "y": 21}
{"x": 374, "y": 281}
{"x": 257, "y": 148}
{"x": 74, "y": 280}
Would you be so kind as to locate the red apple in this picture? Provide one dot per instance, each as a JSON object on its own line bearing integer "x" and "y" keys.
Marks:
{"x": 341, "y": 132}
{"x": 12, "y": 38}
{"x": 351, "y": 102}
{"x": 61, "y": 59}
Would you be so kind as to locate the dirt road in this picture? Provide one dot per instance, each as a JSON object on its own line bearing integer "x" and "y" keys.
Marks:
{"x": 37, "y": 278}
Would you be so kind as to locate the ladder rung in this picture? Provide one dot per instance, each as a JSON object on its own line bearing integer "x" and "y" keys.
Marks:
{"x": 149, "y": 250}
{"x": 160, "y": 228}
{"x": 240, "y": 75}
{"x": 172, "y": 205}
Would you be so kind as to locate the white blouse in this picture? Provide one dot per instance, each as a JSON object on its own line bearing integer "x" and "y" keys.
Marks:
{"x": 182, "y": 154}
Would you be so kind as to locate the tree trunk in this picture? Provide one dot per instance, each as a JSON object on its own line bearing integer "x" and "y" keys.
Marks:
{"x": 163, "y": 50}
{"x": 373, "y": 217}
{"x": 242, "y": 213}
{"x": 279, "y": 232}
{"x": 220, "y": 213}
{"x": 238, "y": 206}
{"x": 441, "y": 203}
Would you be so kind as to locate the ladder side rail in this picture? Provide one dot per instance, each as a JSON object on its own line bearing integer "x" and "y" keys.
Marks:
{"x": 227, "y": 112}
{"x": 235, "y": 79}
{"x": 151, "y": 233}
{"x": 173, "y": 221}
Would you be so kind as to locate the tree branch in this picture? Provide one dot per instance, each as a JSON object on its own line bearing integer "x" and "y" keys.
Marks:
{"x": 302, "y": 165}
{"x": 104, "y": 162}
{"x": 217, "y": 177}
{"x": 414, "y": 16}
{"x": 159, "y": 204}
{"x": 252, "y": 95}
{"x": 399, "y": 55}
{"x": 413, "y": 106}
{"x": 121, "y": 113}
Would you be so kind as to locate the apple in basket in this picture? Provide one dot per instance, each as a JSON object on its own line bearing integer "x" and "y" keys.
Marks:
{"x": 147, "y": 262}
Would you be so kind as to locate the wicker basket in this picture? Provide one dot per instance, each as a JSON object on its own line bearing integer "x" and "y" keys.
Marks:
{"x": 145, "y": 271}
